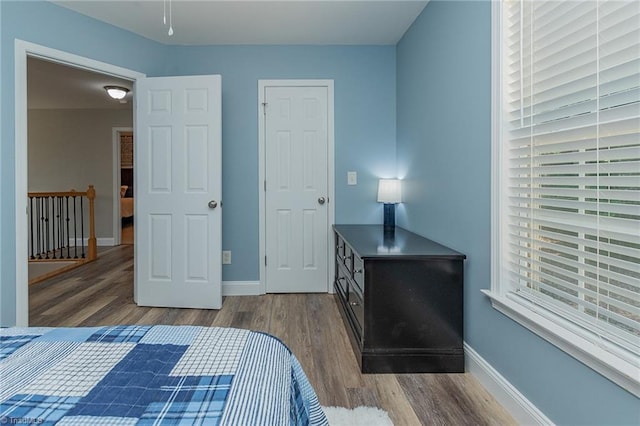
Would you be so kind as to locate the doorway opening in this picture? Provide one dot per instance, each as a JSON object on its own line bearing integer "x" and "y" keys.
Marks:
{"x": 24, "y": 51}
{"x": 123, "y": 178}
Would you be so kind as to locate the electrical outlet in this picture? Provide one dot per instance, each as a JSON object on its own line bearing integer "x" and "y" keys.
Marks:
{"x": 226, "y": 257}
{"x": 352, "y": 178}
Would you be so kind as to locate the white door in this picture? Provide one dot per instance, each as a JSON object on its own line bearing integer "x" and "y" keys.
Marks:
{"x": 296, "y": 203}
{"x": 177, "y": 192}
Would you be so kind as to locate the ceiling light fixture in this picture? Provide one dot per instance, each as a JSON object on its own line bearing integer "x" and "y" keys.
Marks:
{"x": 116, "y": 92}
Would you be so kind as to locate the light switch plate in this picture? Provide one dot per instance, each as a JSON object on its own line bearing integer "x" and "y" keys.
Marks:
{"x": 352, "y": 178}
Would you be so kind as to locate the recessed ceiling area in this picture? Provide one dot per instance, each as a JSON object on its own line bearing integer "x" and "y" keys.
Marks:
{"x": 55, "y": 86}
{"x": 224, "y": 22}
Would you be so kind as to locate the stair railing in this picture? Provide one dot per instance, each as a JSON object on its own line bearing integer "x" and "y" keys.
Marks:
{"x": 57, "y": 225}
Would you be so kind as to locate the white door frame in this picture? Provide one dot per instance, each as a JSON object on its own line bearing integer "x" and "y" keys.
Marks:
{"x": 117, "y": 221}
{"x": 262, "y": 85}
{"x": 24, "y": 49}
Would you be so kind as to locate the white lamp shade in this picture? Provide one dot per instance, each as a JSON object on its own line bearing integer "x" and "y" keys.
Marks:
{"x": 116, "y": 92}
{"x": 389, "y": 191}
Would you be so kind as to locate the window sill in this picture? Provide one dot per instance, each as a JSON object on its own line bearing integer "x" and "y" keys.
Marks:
{"x": 562, "y": 334}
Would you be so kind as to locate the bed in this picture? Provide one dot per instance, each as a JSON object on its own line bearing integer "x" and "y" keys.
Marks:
{"x": 126, "y": 207}
{"x": 126, "y": 202}
{"x": 143, "y": 375}
{"x": 126, "y": 193}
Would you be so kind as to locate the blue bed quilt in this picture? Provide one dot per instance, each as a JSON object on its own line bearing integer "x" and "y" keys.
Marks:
{"x": 144, "y": 375}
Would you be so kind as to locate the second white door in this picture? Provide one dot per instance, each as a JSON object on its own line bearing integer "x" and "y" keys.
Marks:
{"x": 296, "y": 185}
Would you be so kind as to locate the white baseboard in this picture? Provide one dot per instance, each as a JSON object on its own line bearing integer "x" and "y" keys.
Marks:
{"x": 105, "y": 242}
{"x": 110, "y": 241}
{"x": 241, "y": 288}
{"x": 520, "y": 408}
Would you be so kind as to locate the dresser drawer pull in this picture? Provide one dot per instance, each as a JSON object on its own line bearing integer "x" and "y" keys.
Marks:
{"x": 354, "y": 303}
{"x": 358, "y": 271}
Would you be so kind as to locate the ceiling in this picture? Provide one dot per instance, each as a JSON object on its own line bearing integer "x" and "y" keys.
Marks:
{"x": 210, "y": 22}
{"x": 54, "y": 86}
{"x": 215, "y": 22}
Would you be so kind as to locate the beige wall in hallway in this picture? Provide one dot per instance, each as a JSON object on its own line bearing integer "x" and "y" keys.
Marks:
{"x": 70, "y": 149}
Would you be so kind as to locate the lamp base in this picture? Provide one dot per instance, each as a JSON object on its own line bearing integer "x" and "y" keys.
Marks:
{"x": 389, "y": 217}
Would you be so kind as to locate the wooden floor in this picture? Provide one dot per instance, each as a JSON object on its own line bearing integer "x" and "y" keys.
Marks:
{"x": 100, "y": 293}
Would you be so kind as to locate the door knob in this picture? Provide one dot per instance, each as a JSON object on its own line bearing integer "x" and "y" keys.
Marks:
{"x": 213, "y": 204}
{"x": 321, "y": 200}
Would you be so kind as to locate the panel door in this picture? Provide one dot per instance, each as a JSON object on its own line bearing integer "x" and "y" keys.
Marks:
{"x": 178, "y": 192}
{"x": 296, "y": 228}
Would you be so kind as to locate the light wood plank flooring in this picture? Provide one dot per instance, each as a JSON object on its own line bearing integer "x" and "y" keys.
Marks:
{"x": 100, "y": 293}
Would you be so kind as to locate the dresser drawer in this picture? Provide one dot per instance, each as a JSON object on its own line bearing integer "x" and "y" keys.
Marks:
{"x": 344, "y": 254}
{"x": 340, "y": 247}
{"x": 356, "y": 304}
{"x": 358, "y": 272}
{"x": 348, "y": 259}
{"x": 342, "y": 283}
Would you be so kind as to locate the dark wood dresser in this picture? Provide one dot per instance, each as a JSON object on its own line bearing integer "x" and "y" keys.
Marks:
{"x": 400, "y": 296}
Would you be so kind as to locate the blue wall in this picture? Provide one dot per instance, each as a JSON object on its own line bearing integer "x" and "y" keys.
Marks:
{"x": 444, "y": 154}
{"x": 364, "y": 83}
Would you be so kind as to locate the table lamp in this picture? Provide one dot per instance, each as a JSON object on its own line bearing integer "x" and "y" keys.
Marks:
{"x": 389, "y": 193}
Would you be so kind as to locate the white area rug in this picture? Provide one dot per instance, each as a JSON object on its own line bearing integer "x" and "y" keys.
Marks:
{"x": 359, "y": 416}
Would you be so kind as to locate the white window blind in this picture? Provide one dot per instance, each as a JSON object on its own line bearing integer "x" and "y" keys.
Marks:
{"x": 571, "y": 148}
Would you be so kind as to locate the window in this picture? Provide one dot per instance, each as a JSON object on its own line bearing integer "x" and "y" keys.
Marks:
{"x": 566, "y": 184}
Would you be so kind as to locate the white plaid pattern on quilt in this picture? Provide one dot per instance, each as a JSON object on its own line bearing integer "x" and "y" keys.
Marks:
{"x": 143, "y": 375}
